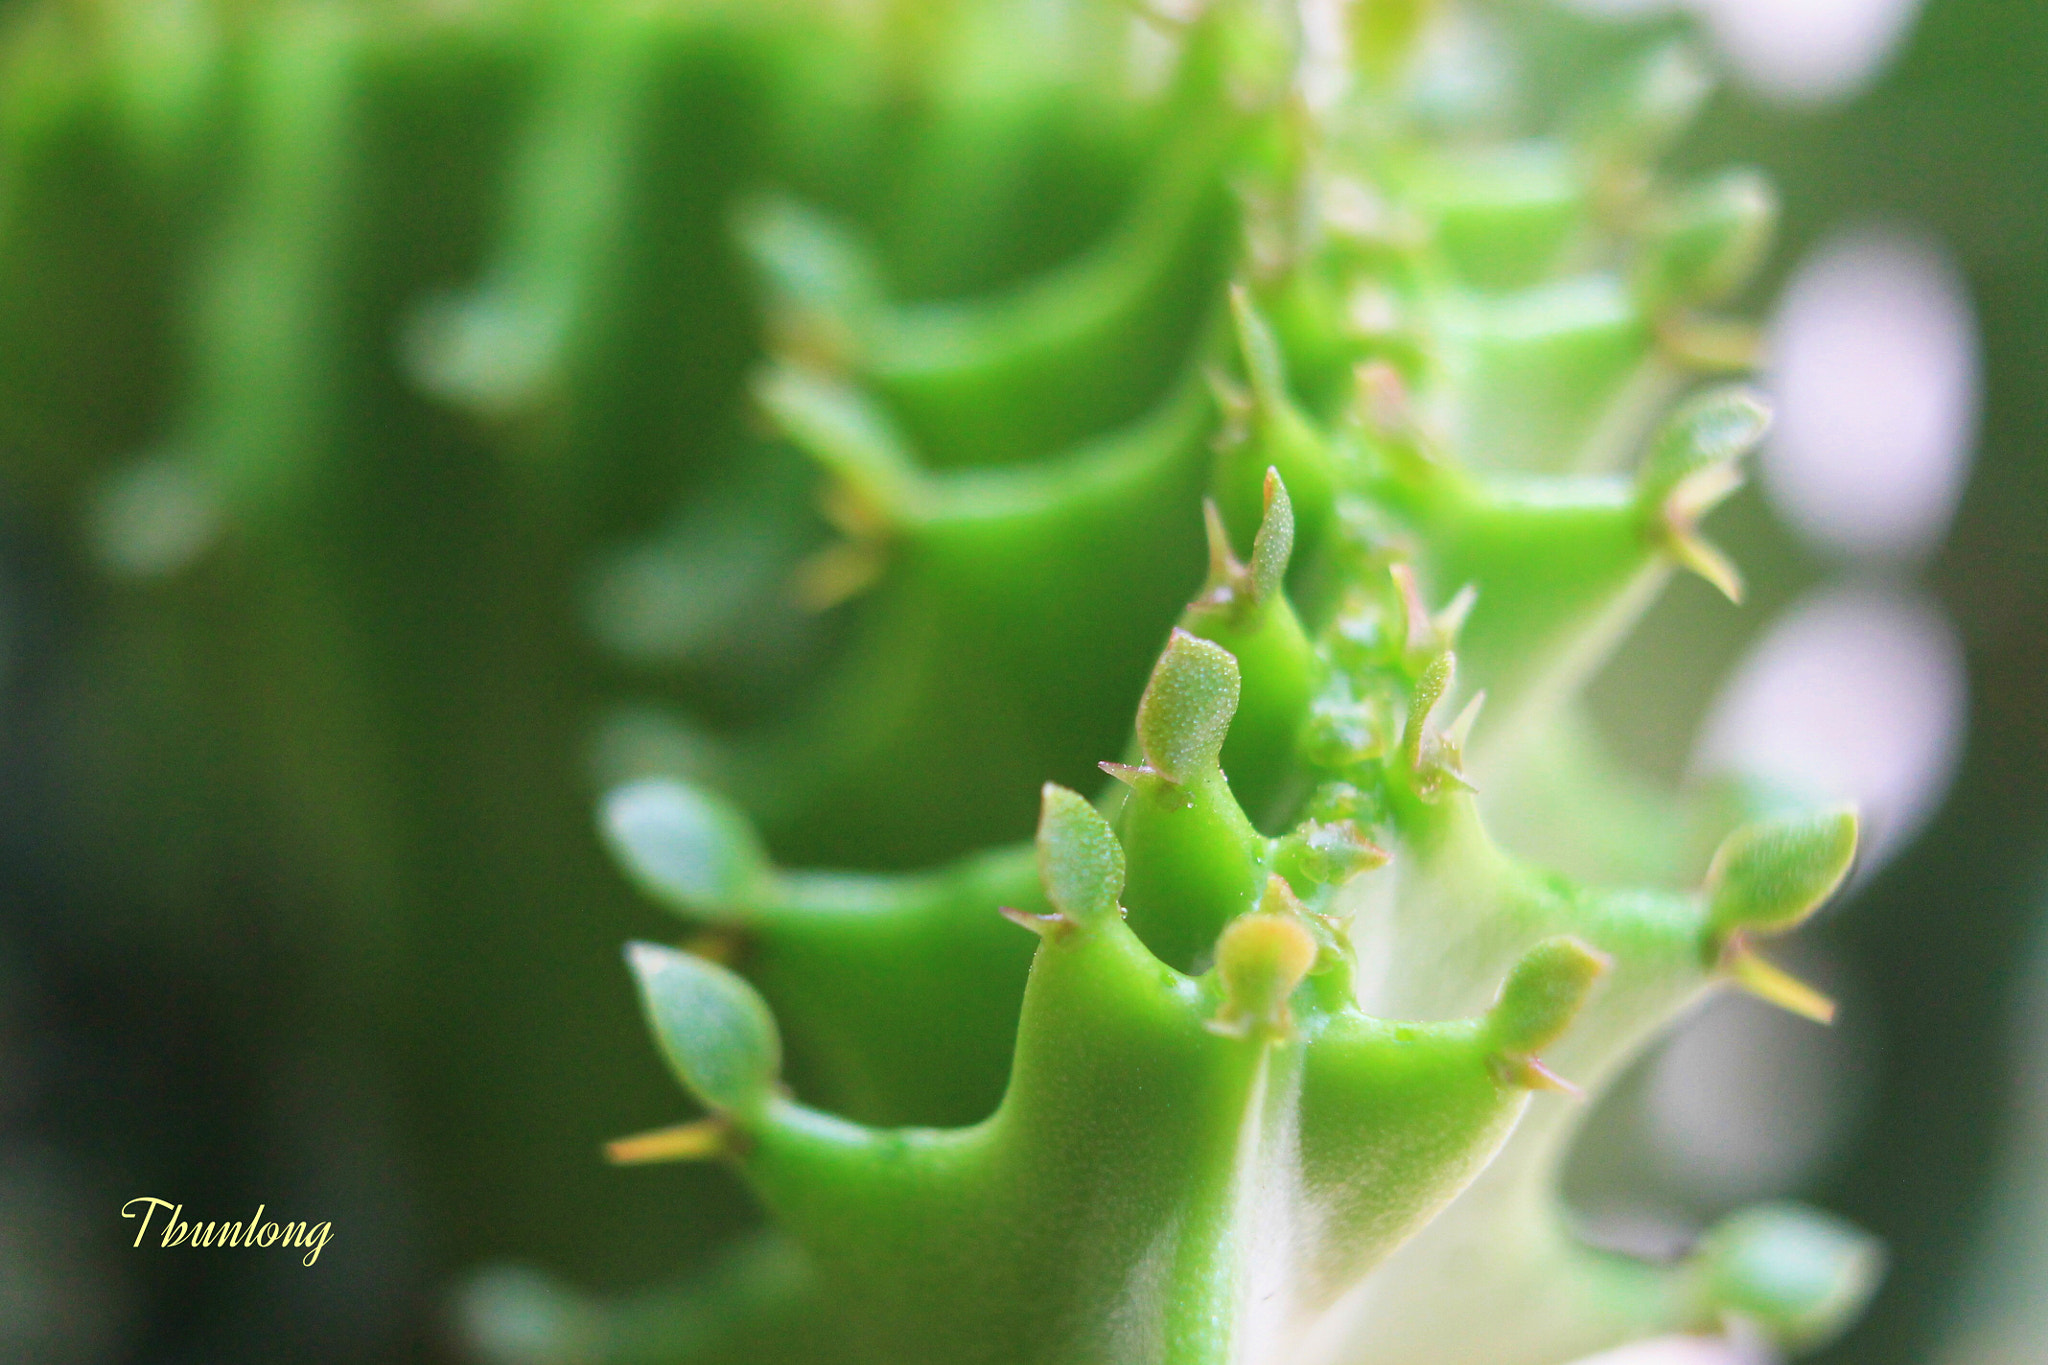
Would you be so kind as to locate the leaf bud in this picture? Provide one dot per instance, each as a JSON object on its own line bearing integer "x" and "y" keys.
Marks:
{"x": 1186, "y": 710}
{"x": 714, "y": 1029}
{"x": 1261, "y": 957}
{"x": 685, "y": 847}
{"x": 1080, "y": 863}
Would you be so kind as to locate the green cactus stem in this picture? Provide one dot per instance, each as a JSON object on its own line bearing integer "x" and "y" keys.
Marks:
{"x": 832, "y": 408}
{"x": 1267, "y": 1083}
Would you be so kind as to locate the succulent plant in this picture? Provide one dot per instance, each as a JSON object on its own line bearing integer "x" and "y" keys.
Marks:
{"x": 1261, "y": 1089}
{"x": 443, "y": 324}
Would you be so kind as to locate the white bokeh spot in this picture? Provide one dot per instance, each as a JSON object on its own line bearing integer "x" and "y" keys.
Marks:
{"x": 1795, "y": 51}
{"x": 1875, "y": 371}
{"x": 1809, "y": 50}
{"x": 1677, "y": 1351}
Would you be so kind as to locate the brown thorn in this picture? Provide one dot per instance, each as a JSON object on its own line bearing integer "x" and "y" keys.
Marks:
{"x": 1537, "y": 1076}
{"x": 1706, "y": 559}
{"x": 1773, "y": 984}
{"x": 1126, "y": 773}
{"x": 1041, "y": 925}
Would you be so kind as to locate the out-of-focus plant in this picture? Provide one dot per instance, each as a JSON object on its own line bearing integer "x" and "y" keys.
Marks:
{"x": 432, "y": 402}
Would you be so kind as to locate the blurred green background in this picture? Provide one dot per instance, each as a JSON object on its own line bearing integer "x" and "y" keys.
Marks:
{"x": 302, "y": 903}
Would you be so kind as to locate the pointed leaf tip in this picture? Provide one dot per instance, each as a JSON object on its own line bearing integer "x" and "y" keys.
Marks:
{"x": 1231, "y": 586}
{"x": 714, "y": 1029}
{"x": 1383, "y": 402}
{"x": 1420, "y": 626}
{"x": 1273, "y": 546}
{"x": 1278, "y": 898}
{"x": 878, "y": 486}
{"x": 1459, "y": 732}
{"x": 1531, "y": 1074}
{"x": 1768, "y": 876}
{"x": 1187, "y": 707}
{"x": 1797, "y": 1274}
{"x": 1126, "y": 773}
{"x": 1539, "y": 1000}
{"x": 1041, "y": 925}
{"x": 685, "y": 847}
{"x": 1450, "y": 622}
{"x": 1708, "y": 560}
{"x": 808, "y": 260}
{"x": 1223, "y": 566}
{"x": 1080, "y": 862}
{"x": 1435, "y": 680}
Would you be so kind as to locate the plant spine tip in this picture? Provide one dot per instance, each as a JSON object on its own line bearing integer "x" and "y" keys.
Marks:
{"x": 699, "y": 1140}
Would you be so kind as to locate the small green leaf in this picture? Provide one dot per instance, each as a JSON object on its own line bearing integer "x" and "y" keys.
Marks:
{"x": 1261, "y": 957}
{"x": 807, "y": 259}
{"x": 714, "y": 1029}
{"x": 1260, "y": 351}
{"x": 1274, "y": 542}
{"x": 1080, "y": 863}
{"x": 1794, "y": 1272}
{"x": 685, "y": 847}
{"x": 850, "y": 438}
{"x": 1543, "y": 994}
{"x": 1697, "y": 447}
{"x": 1710, "y": 242}
{"x": 1436, "y": 679}
{"x": 1770, "y": 875}
{"x": 1186, "y": 710}
{"x": 1327, "y": 853}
